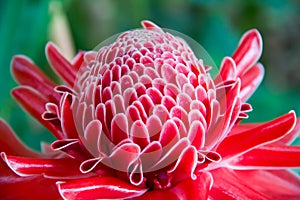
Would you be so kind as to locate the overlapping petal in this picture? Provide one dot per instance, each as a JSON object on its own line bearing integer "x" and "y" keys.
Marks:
{"x": 98, "y": 188}
{"x": 269, "y": 157}
{"x": 30, "y": 187}
{"x": 264, "y": 134}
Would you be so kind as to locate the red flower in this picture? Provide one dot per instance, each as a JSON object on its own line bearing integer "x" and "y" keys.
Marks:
{"x": 143, "y": 119}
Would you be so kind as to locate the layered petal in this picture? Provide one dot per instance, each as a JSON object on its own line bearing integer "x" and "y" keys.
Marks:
{"x": 251, "y": 80}
{"x": 34, "y": 104}
{"x": 55, "y": 168}
{"x": 27, "y": 73}
{"x": 60, "y": 64}
{"x": 248, "y": 51}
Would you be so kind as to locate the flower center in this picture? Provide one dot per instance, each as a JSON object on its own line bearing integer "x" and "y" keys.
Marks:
{"x": 143, "y": 101}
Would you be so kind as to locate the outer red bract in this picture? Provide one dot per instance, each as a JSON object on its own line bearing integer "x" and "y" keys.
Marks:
{"x": 142, "y": 118}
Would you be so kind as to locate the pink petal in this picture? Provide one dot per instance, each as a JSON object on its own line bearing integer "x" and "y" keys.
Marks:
{"x": 56, "y": 168}
{"x": 119, "y": 128}
{"x": 148, "y": 61}
{"x": 189, "y": 90}
{"x": 181, "y": 80}
{"x": 201, "y": 93}
{"x": 168, "y": 73}
{"x": 168, "y": 102}
{"x": 34, "y": 104}
{"x": 228, "y": 186}
{"x": 129, "y": 96}
{"x": 269, "y": 132}
{"x": 251, "y": 80}
{"x": 171, "y": 90}
{"x": 146, "y": 103}
{"x": 184, "y": 101}
{"x": 276, "y": 184}
{"x": 110, "y": 113}
{"x": 154, "y": 127}
{"x": 100, "y": 115}
{"x": 123, "y": 156}
{"x": 161, "y": 112}
{"x": 151, "y": 72}
{"x": 228, "y": 70}
{"x": 111, "y": 55}
{"x": 60, "y": 64}
{"x": 106, "y": 79}
{"x": 155, "y": 95}
{"x": 126, "y": 82}
{"x": 98, "y": 188}
{"x": 269, "y": 157}
{"x": 135, "y": 77}
{"x": 116, "y": 73}
{"x": 119, "y": 103}
{"x": 133, "y": 114}
{"x": 140, "y": 89}
{"x": 11, "y": 144}
{"x": 248, "y": 51}
{"x": 181, "y": 114}
{"x": 146, "y": 80}
{"x": 196, "y": 134}
{"x": 27, "y": 73}
{"x": 139, "y": 134}
{"x": 106, "y": 94}
{"x": 92, "y": 134}
{"x": 169, "y": 134}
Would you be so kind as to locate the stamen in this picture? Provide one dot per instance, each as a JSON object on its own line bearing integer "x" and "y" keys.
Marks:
{"x": 162, "y": 181}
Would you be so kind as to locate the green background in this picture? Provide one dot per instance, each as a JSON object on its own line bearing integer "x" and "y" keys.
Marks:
{"x": 217, "y": 25}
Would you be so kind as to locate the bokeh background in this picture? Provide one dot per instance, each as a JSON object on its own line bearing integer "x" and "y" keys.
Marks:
{"x": 27, "y": 25}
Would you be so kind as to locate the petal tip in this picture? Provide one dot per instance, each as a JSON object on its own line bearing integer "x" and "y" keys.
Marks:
{"x": 10, "y": 165}
{"x": 149, "y": 25}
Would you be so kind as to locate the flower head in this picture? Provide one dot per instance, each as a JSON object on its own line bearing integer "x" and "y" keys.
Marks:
{"x": 143, "y": 118}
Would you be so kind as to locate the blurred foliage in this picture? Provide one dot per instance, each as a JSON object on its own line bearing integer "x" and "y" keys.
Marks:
{"x": 217, "y": 25}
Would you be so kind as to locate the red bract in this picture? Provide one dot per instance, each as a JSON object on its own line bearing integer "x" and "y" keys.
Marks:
{"x": 142, "y": 118}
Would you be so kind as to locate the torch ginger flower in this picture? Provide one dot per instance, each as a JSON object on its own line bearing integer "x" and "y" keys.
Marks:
{"x": 142, "y": 118}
